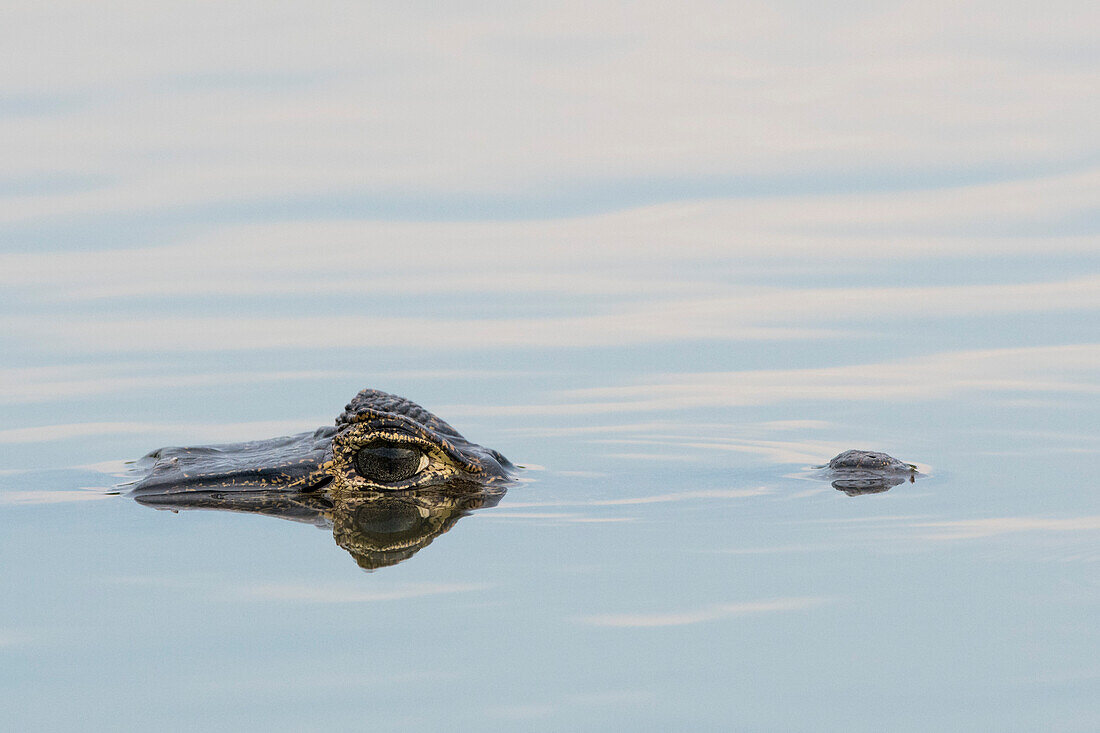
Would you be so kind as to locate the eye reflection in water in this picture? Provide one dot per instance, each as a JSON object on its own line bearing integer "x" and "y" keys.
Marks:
{"x": 388, "y": 479}
{"x": 378, "y": 529}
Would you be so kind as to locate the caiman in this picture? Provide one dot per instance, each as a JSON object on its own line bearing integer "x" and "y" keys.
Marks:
{"x": 388, "y": 478}
{"x": 857, "y": 472}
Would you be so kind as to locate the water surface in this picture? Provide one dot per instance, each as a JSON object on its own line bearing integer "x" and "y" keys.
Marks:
{"x": 667, "y": 263}
{"x": 668, "y": 559}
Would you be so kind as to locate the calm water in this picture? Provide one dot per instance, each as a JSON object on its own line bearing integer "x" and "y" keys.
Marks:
{"x": 666, "y": 305}
{"x": 667, "y": 561}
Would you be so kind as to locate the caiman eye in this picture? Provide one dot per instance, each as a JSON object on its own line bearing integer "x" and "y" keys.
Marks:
{"x": 386, "y": 463}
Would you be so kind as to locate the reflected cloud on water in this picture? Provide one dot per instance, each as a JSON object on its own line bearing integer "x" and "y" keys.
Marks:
{"x": 700, "y": 615}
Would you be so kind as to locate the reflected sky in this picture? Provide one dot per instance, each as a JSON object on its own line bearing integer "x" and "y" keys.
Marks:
{"x": 667, "y": 259}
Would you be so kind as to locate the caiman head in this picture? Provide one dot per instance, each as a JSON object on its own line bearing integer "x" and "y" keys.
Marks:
{"x": 388, "y": 478}
{"x": 381, "y": 442}
{"x": 859, "y": 472}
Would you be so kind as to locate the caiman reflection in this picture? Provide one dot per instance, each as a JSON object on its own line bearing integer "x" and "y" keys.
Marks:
{"x": 388, "y": 478}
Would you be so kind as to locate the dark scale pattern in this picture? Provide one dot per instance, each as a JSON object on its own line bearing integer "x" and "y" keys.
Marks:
{"x": 287, "y": 461}
{"x": 322, "y": 478}
{"x": 858, "y": 472}
{"x": 326, "y": 458}
{"x": 373, "y": 400}
{"x": 865, "y": 460}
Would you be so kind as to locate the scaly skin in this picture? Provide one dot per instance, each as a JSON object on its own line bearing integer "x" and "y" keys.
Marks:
{"x": 325, "y": 458}
{"x": 316, "y": 478}
{"x": 374, "y": 415}
{"x": 857, "y": 472}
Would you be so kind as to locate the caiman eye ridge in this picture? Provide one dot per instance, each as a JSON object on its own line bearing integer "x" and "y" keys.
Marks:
{"x": 381, "y": 442}
{"x": 386, "y": 462}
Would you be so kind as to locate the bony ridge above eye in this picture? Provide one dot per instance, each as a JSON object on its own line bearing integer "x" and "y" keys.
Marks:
{"x": 386, "y": 462}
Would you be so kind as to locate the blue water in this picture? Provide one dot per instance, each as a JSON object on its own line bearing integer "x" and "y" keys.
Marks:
{"x": 668, "y": 561}
{"x": 665, "y": 265}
